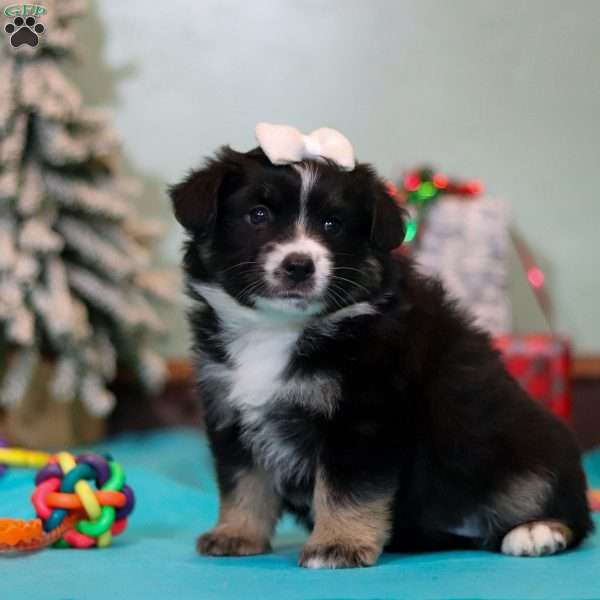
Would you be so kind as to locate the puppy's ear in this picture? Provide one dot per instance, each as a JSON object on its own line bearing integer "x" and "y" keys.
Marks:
{"x": 196, "y": 199}
{"x": 388, "y": 226}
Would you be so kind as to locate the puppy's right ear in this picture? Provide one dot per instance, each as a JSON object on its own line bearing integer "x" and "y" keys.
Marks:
{"x": 196, "y": 199}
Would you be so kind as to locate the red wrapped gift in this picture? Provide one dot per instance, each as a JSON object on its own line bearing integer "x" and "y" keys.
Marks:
{"x": 542, "y": 365}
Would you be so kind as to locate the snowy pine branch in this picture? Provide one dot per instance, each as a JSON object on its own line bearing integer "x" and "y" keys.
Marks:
{"x": 76, "y": 284}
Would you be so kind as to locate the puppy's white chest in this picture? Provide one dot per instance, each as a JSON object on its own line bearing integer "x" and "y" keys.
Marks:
{"x": 258, "y": 347}
{"x": 259, "y": 356}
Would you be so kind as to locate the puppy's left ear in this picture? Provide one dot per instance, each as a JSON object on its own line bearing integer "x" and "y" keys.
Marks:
{"x": 388, "y": 226}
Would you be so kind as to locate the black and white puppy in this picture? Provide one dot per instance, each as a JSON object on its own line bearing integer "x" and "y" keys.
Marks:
{"x": 344, "y": 387}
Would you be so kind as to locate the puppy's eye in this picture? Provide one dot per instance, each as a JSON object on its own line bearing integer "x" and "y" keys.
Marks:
{"x": 332, "y": 225}
{"x": 259, "y": 215}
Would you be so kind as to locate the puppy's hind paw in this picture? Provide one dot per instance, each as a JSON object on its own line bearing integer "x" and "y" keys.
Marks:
{"x": 337, "y": 556}
{"x": 220, "y": 542}
{"x": 538, "y": 538}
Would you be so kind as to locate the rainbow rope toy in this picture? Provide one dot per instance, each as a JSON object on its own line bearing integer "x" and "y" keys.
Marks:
{"x": 71, "y": 513}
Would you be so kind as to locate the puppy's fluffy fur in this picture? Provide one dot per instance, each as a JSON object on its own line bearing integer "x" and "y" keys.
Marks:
{"x": 344, "y": 387}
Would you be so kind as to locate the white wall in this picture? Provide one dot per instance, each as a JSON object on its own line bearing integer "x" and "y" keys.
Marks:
{"x": 505, "y": 91}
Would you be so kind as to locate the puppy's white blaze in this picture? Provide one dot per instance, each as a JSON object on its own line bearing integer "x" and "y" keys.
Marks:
{"x": 302, "y": 244}
{"x": 308, "y": 178}
{"x": 535, "y": 539}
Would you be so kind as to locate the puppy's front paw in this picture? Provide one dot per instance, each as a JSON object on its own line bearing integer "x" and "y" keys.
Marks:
{"x": 221, "y": 542}
{"x": 342, "y": 555}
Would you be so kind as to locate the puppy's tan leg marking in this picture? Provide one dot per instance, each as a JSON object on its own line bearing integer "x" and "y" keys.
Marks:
{"x": 537, "y": 538}
{"x": 345, "y": 534}
{"x": 247, "y": 518}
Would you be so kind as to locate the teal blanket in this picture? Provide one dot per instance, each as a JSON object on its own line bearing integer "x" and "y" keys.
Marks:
{"x": 171, "y": 474}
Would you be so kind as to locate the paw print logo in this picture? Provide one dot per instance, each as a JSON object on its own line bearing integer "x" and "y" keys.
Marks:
{"x": 24, "y": 31}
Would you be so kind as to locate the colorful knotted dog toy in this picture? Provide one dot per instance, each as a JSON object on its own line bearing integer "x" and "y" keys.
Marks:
{"x": 71, "y": 513}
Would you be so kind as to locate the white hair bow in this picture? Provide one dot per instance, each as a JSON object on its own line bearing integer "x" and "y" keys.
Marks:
{"x": 284, "y": 144}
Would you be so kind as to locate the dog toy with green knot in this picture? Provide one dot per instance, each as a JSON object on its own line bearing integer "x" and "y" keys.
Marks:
{"x": 81, "y": 501}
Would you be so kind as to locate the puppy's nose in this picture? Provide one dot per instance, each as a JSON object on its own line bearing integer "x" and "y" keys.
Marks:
{"x": 298, "y": 267}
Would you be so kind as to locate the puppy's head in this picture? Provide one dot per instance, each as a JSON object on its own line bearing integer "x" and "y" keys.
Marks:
{"x": 308, "y": 237}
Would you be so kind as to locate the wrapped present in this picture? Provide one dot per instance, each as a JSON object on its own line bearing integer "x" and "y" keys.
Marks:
{"x": 464, "y": 238}
{"x": 542, "y": 365}
{"x": 466, "y": 243}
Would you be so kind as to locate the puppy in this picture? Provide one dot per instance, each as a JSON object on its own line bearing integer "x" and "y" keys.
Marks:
{"x": 342, "y": 386}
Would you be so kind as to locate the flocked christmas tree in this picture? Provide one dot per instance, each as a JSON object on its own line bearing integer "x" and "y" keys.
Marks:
{"x": 76, "y": 287}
